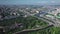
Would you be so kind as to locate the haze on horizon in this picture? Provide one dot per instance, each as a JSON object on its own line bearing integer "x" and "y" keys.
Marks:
{"x": 30, "y": 2}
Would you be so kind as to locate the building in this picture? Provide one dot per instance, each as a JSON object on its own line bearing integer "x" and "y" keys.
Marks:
{"x": 2, "y": 30}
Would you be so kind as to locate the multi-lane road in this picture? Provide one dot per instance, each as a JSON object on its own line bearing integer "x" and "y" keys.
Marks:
{"x": 48, "y": 20}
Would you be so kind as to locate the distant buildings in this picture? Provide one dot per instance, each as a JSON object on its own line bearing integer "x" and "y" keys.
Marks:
{"x": 0, "y": 16}
{"x": 14, "y": 13}
{"x": 25, "y": 16}
{"x": 50, "y": 16}
{"x": 55, "y": 11}
{"x": 2, "y": 30}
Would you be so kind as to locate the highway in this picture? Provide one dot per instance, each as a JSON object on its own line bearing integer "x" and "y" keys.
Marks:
{"x": 31, "y": 30}
{"x": 55, "y": 21}
{"x": 41, "y": 18}
{"x": 48, "y": 20}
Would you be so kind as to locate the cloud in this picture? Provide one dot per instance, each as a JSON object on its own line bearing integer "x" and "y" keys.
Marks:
{"x": 53, "y": 2}
{"x": 42, "y": 2}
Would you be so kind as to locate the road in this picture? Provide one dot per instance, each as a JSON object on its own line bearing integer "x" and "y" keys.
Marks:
{"x": 50, "y": 21}
{"x": 56, "y": 22}
{"x": 41, "y": 18}
{"x": 31, "y": 30}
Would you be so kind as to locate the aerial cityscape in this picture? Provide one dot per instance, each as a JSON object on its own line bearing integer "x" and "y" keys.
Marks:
{"x": 30, "y": 17}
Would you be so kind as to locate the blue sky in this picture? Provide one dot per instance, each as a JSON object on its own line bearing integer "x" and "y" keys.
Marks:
{"x": 18, "y": 2}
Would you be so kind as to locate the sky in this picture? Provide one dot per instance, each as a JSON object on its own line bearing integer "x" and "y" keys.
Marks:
{"x": 30, "y": 2}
